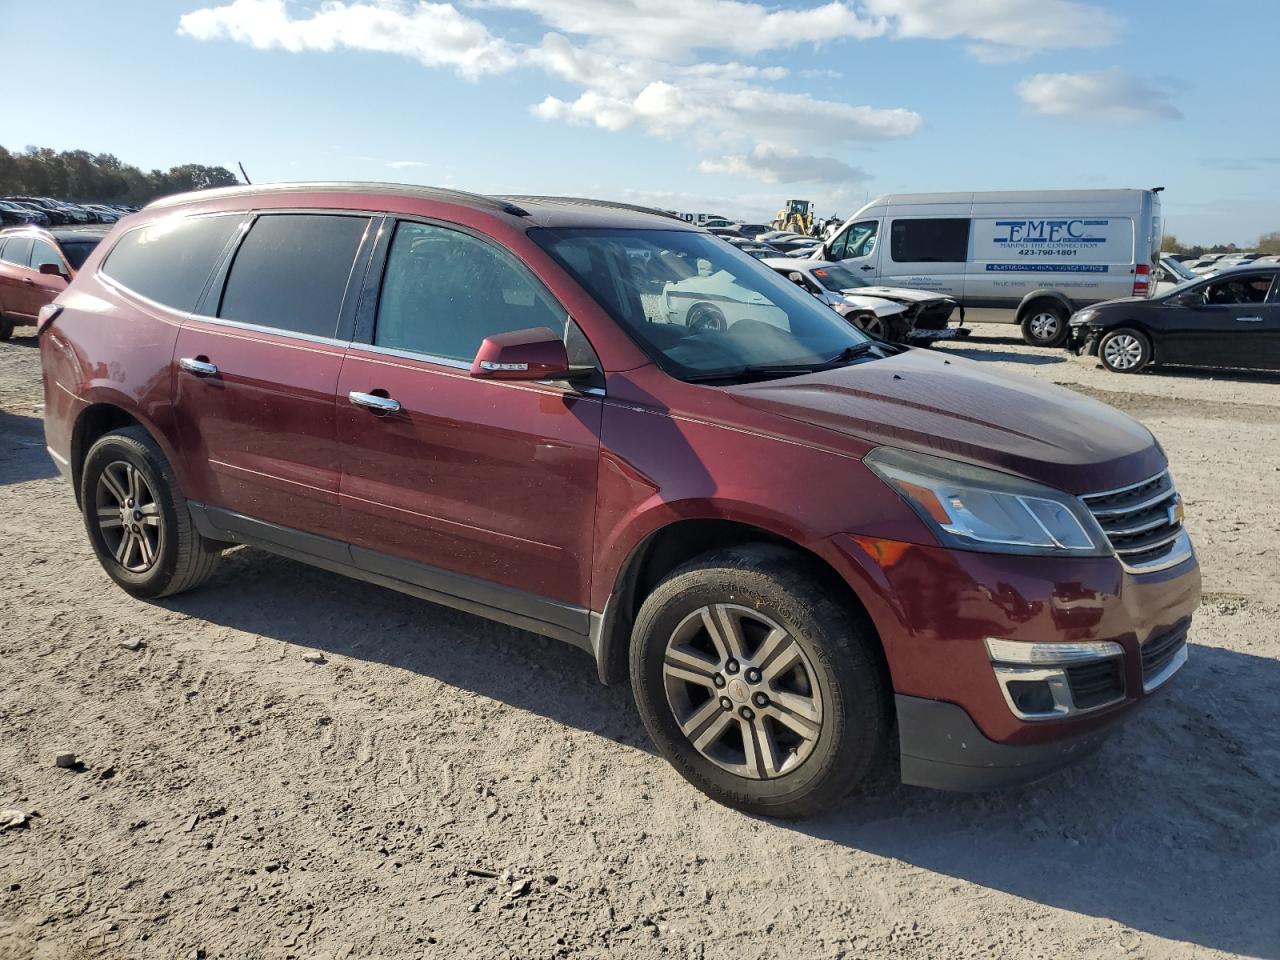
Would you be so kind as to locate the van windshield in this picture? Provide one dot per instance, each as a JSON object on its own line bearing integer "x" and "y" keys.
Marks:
{"x": 699, "y": 307}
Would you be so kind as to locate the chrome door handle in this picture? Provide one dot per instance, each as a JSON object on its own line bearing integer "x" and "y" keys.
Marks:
{"x": 1249, "y": 319}
{"x": 201, "y": 368}
{"x": 371, "y": 401}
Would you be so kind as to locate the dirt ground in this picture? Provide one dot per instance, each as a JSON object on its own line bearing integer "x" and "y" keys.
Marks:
{"x": 441, "y": 786}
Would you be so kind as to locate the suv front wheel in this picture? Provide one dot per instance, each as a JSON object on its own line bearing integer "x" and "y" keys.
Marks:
{"x": 137, "y": 518}
{"x": 761, "y": 690}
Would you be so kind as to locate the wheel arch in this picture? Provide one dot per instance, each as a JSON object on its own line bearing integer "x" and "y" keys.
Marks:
{"x": 672, "y": 545}
{"x": 1044, "y": 296}
{"x": 96, "y": 420}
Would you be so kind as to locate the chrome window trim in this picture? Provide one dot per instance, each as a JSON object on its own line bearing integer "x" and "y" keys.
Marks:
{"x": 552, "y": 386}
{"x": 411, "y": 355}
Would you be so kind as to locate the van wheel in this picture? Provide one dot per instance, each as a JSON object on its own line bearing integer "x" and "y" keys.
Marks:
{"x": 1045, "y": 325}
{"x": 137, "y": 518}
{"x": 761, "y": 690}
{"x": 1124, "y": 350}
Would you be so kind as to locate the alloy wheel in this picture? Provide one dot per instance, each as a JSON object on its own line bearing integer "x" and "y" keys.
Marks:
{"x": 1044, "y": 326}
{"x": 1122, "y": 352}
{"x": 128, "y": 516}
{"x": 742, "y": 691}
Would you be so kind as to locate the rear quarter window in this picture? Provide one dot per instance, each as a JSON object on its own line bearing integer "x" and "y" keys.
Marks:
{"x": 170, "y": 261}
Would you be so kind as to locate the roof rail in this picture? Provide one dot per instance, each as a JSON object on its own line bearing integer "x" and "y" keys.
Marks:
{"x": 587, "y": 202}
{"x": 496, "y": 204}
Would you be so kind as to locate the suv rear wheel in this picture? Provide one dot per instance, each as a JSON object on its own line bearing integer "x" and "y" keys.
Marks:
{"x": 760, "y": 690}
{"x": 138, "y": 520}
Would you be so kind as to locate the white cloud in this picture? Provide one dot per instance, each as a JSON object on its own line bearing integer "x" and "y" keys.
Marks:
{"x": 434, "y": 33}
{"x": 674, "y": 29}
{"x": 1003, "y": 29}
{"x": 1106, "y": 95}
{"x": 772, "y": 164}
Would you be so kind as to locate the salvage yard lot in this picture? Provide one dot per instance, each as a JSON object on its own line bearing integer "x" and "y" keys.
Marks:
{"x": 444, "y": 786}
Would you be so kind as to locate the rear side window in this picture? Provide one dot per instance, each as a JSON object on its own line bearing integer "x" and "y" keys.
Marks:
{"x": 17, "y": 250}
{"x": 944, "y": 240}
{"x": 291, "y": 272}
{"x": 169, "y": 261}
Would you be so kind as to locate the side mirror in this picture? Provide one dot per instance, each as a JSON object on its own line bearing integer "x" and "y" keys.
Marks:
{"x": 534, "y": 354}
{"x": 52, "y": 270}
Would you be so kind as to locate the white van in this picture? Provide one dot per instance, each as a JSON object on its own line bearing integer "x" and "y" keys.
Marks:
{"x": 1027, "y": 257}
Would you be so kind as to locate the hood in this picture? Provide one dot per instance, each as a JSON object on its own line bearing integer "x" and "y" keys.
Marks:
{"x": 877, "y": 305}
{"x": 956, "y": 408}
{"x": 904, "y": 294}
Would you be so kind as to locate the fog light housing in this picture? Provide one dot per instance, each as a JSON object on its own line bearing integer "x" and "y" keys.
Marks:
{"x": 1035, "y": 678}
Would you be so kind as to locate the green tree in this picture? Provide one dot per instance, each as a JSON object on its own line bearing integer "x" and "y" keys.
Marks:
{"x": 78, "y": 175}
{"x": 1269, "y": 243}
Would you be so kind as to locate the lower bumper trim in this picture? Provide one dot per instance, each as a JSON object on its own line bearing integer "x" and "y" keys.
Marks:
{"x": 943, "y": 748}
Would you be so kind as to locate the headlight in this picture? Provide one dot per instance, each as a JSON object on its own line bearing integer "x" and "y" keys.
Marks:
{"x": 973, "y": 508}
{"x": 1081, "y": 317}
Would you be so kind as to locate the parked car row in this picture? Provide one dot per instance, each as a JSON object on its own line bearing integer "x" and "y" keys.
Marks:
{"x": 46, "y": 212}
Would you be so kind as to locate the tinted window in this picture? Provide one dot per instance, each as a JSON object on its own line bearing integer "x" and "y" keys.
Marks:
{"x": 77, "y": 251}
{"x": 42, "y": 253}
{"x": 169, "y": 261}
{"x": 445, "y": 291}
{"x": 17, "y": 251}
{"x": 929, "y": 241}
{"x": 1236, "y": 291}
{"x": 291, "y": 272}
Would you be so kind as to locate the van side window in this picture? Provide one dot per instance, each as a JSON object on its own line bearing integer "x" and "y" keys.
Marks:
{"x": 942, "y": 240}
{"x": 445, "y": 291}
{"x": 169, "y": 261}
{"x": 291, "y": 272}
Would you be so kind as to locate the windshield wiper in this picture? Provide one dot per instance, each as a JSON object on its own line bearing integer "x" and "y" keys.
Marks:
{"x": 765, "y": 371}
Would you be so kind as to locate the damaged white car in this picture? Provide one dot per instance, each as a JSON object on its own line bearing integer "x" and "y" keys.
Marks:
{"x": 914, "y": 316}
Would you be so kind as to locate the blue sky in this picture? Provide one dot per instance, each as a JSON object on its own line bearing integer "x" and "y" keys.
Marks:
{"x": 708, "y": 105}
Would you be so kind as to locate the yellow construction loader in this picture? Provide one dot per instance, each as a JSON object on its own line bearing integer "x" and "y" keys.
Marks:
{"x": 797, "y": 216}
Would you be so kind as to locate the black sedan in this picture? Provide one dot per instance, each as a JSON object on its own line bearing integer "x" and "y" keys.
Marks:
{"x": 1231, "y": 319}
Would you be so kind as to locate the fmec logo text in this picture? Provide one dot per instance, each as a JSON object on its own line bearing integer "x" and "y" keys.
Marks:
{"x": 1048, "y": 231}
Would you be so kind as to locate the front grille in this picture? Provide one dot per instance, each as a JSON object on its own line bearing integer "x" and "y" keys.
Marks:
{"x": 1095, "y": 684}
{"x": 1159, "y": 652}
{"x": 1142, "y": 521}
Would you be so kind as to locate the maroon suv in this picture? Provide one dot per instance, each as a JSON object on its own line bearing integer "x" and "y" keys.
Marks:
{"x": 807, "y": 550}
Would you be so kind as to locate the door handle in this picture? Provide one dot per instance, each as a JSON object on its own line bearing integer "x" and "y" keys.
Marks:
{"x": 371, "y": 401}
{"x": 867, "y": 267}
{"x": 28, "y": 281}
{"x": 201, "y": 368}
{"x": 1249, "y": 319}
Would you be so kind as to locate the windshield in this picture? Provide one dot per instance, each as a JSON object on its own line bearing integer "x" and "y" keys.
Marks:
{"x": 696, "y": 305}
{"x": 1177, "y": 269}
{"x": 77, "y": 251}
{"x": 836, "y": 277}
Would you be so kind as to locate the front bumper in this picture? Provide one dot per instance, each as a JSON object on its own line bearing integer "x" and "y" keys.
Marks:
{"x": 1082, "y": 340}
{"x": 943, "y": 748}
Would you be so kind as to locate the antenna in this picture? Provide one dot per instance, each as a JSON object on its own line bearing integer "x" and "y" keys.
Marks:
{"x": 243, "y": 174}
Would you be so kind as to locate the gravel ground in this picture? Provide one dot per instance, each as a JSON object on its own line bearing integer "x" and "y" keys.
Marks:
{"x": 441, "y": 786}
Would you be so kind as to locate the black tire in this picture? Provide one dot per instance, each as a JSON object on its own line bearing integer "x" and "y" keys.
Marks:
{"x": 838, "y": 645}
{"x": 181, "y": 557}
{"x": 1124, "y": 350}
{"x": 705, "y": 316}
{"x": 6, "y": 329}
{"x": 1044, "y": 324}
